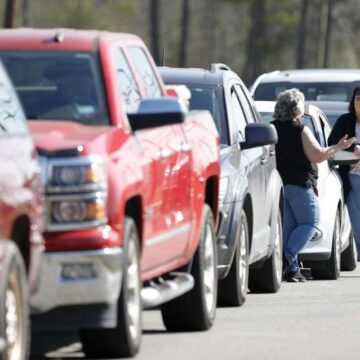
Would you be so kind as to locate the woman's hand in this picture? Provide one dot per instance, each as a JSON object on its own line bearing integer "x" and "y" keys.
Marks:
{"x": 357, "y": 151}
{"x": 345, "y": 143}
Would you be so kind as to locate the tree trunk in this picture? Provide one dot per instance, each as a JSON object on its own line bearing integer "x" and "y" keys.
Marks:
{"x": 9, "y": 19}
{"x": 329, "y": 34}
{"x": 26, "y": 13}
{"x": 254, "y": 61}
{"x": 300, "y": 57}
{"x": 154, "y": 30}
{"x": 184, "y": 33}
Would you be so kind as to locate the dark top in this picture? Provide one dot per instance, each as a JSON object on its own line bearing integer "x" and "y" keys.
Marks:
{"x": 292, "y": 163}
{"x": 345, "y": 124}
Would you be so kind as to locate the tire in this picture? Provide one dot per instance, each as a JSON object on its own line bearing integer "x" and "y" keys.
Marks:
{"x": 14, "y": 306}
{"x": 329, "y": 269}
{"x": 125, "y": 339}
{"x": 233, "y": 289}
{"x": 349, "y": 256}
{"x": 196, "y": 310}
{"x": 268, "y": 278}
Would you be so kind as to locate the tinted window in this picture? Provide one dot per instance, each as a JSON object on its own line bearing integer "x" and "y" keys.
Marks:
{"x": 239, "y": 116}
{"x": 245, "y": 104}
{"x": 147, "y": 73}
{"x": 12, "y": 119}
{"x": 266, "y": 117}
{"x": 211, "y": 99}
{"x": 58, "y": 85}
{"x": 308, "y": 121}
{"x": 320, "y": 91}
{"x": 126, "y": 83}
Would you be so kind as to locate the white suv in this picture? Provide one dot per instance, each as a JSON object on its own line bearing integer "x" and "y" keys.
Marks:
{"x": 316, "y": 84}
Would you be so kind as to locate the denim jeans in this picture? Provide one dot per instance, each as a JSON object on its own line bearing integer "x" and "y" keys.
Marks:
{"x": 353, "y": 204}
{"x": 301, "y": 221}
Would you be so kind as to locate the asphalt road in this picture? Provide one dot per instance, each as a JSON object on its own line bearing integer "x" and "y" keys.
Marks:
{"x": 313, "y": 320}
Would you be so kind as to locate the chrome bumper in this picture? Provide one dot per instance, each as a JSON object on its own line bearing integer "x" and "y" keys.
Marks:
{"x": 78, "y": 277}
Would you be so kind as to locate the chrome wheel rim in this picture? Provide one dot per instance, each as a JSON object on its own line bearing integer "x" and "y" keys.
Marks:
{"x": 209, "y": 269}
{"x": 337, "y": 245}
{"x": 133, "y": 291}
{"x": 243, "y": 258}
{"x": 13, "y": 316}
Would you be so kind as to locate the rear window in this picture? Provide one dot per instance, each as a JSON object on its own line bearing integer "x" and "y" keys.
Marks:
{"x": 211, "y": 98}
{"x": 319, "y": 91}
{"x": 58, "y": 85}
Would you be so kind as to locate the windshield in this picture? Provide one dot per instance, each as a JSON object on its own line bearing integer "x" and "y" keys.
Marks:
{"x": 58, "y": 85}
{"x": 266, "y": 117}
{"x": 320, "y": 91}
{"x": 211, "y": 98}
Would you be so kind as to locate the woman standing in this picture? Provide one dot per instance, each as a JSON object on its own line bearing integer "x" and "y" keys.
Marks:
{"x": 297, "y": 152}
{"x": 350, "y": 174}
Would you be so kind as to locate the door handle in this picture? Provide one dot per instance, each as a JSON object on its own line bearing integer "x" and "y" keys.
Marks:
{"x": 185, "y": 147}
{"x": 164, "y": 154}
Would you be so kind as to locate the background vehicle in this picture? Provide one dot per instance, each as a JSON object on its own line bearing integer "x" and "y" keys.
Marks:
{"x": 251, "y": 198}
{"x": 131, "y": 186}
{"x": 334, "y": 249}
{"x": 316, "y": 84}
{"x": 332, "y": 109}
{"x": 21, "y": 243}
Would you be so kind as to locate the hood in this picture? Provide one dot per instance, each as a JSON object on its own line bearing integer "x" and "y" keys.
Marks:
{"x": 53, "y": 136}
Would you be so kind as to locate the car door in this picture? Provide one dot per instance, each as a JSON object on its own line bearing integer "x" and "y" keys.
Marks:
{"x": 168, "y": 218}
{"x": 327, "y": 184}
{"x": 254, "y": 161}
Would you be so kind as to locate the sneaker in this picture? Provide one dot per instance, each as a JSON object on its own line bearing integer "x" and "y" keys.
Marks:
{"x": 294, "y": 277}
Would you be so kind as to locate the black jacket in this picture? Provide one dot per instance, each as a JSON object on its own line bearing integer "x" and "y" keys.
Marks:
{"x": 345, "y": 124}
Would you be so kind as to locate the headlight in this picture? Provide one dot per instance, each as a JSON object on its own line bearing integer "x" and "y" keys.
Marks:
{"x": 224, "y": 184}
{"x": 76, "y": 172}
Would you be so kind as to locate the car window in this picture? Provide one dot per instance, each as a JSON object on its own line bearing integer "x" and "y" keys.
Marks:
{"x": 126, "y": 83}
{"x": 58, "y": 85}
{"x": 239, "y": 116}
{"x": 12, "y": 118}
{"x": 316, "y": 91}
{"x": 325, "y": 130}
{"x": 266, "y": 117}
{"x": 212, "y": 99}
{"x": 309, "y": 122}
{"x": 144, "y": 67}
{"x": 245, "y": 104}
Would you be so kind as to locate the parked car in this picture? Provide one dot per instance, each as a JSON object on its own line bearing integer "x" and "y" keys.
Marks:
{"x": 131, "y": 184}
{"x": 21, "y": 206}
{"x": 251, "y": 195}
{"x": 316, "y": 84}
{"x": 332, "y": 109}
{"x": 334, "y": 248}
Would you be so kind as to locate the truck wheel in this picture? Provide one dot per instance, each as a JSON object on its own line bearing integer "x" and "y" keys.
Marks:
{"x": 349, "y": 256}
{"x": 268, "y": 277}
{"x": 195, "y": 310}
{"x": 329, "y": 269}
{"x": 125, "y": 339}
{"x": 233, "y": 289}
{"x": 14, "y": 308}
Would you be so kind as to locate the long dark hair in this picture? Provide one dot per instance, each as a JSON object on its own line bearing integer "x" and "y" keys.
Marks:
{"x": 351, "y": 103}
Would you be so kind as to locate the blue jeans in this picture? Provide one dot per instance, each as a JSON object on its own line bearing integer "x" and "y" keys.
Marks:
{"x": 353, "y": 204}
{"x": 302, "y": 216}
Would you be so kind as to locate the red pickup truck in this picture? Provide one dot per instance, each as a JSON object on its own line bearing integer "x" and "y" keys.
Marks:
{"x": 131, "y": 183}
{"x": 21, "y": 210}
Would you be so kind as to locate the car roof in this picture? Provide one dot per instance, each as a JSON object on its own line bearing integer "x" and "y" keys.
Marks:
{"x": 58, "y": 39}
{"x": 190, "y": 76}
{"x": 311, "y": 75}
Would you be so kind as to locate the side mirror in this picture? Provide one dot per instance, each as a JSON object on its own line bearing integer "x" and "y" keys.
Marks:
{"x": 157, "y": 112}
{"x": 259, "y": 134}
{"x": 343, "y": 158}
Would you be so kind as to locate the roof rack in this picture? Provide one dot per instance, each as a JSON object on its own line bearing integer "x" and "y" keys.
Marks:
{"x": 219, "y": 66}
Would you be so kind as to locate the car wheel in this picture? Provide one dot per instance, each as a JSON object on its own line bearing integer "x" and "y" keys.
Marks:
{"x": 349, "y": 256}
{"x": 195, "y": 310}
{"x": 268, "y": 277}
{"x": 329, "y": 269}
{"x": 125, "y": 339}
{"x": 14, "y": 308}
{"x": 233, "y": 289}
